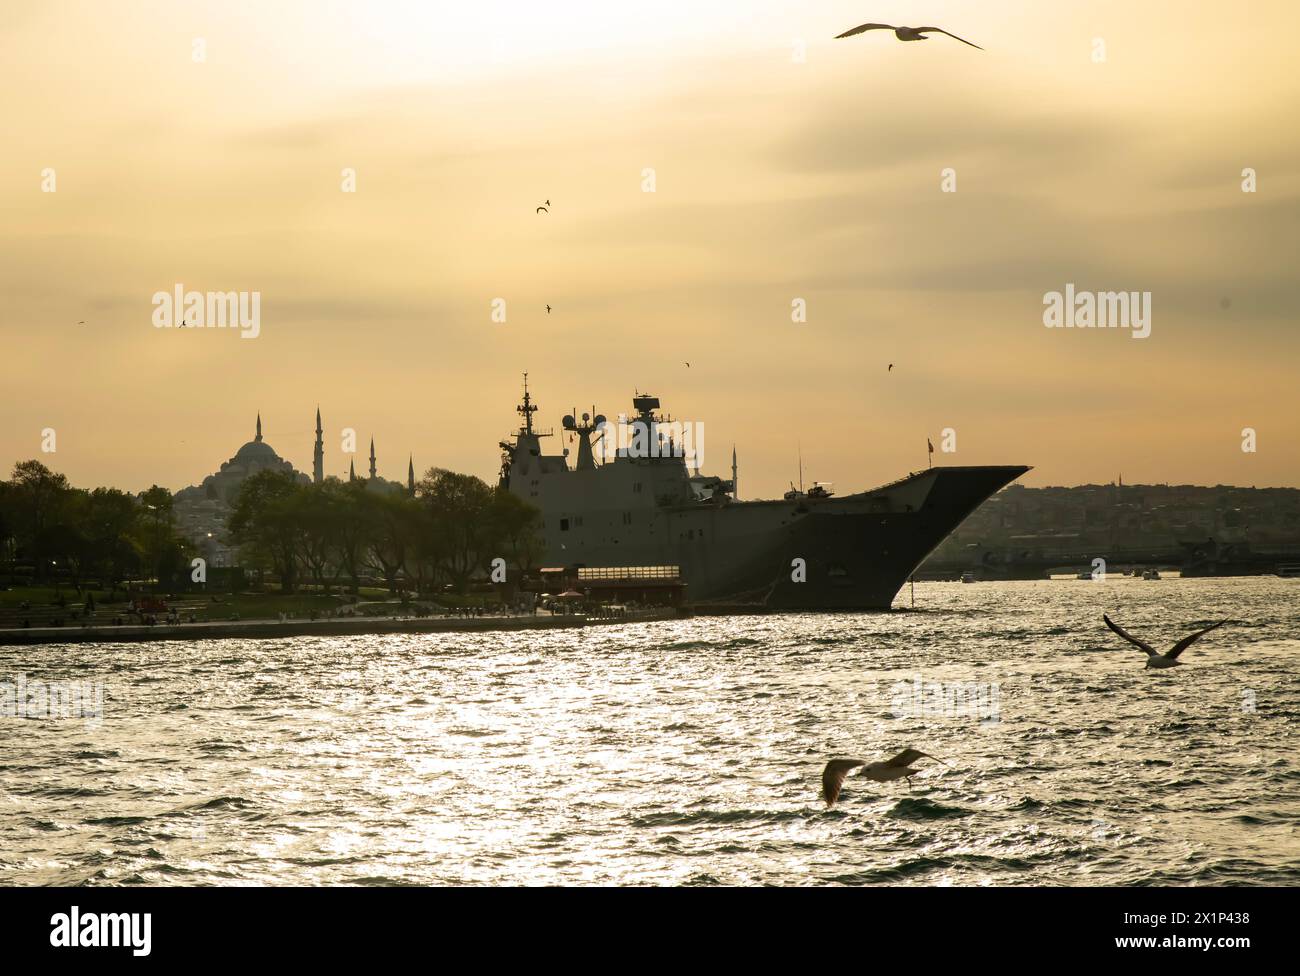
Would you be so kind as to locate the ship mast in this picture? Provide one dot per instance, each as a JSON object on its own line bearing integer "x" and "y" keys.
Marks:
{"x": 527, "y": 409}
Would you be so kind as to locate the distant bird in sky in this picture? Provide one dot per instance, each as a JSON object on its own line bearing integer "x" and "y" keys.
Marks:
{"x": 82, "y": 322}
{"x": 905, "y": 33}
{"x": 688, "y": 365}
{"x": 544, "y": 208}
{"x": 1154, "y": 658}
{"x": 891, "y": 368}
{"x": 548, "y": 310}
{"x": 880, "y": 772}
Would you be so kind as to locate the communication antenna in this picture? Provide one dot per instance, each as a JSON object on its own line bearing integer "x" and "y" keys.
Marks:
{"x": 527, "y": 408}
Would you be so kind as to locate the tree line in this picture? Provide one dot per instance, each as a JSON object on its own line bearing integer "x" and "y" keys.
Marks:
{"x": 335, "y": 532}
{"x": 78, "y": 534}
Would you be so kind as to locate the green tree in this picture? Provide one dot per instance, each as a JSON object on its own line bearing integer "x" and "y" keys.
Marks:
{"x": 392, "y": 521}
{"x": 37, "y": 495}
{"x": 350, "y": 529}
{"x": 6, "y": 522}
{"x": 456, "y": 508}
{"x": 111, "y": 525}
{"x": 515, "y": 530}
{"x": 265, "y": 522}
{"x": 314, "y": 513}
{"x": 158, "y": 526}
{"x": 64, "y": 541}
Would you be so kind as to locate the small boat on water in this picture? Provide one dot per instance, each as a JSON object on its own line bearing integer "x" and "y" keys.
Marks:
{"x": 968, "y": 577}
{"x": 1151, "y": 574}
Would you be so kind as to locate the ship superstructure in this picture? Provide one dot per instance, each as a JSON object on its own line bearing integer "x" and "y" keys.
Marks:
{"x": 644, "y": 507}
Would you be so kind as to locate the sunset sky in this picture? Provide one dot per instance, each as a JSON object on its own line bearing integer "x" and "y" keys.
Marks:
{"x": 776, "y": 178}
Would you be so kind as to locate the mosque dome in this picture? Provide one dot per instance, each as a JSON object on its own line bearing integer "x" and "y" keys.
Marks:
{"x": 256, "y": 455}
{"x": 257, "y": 452}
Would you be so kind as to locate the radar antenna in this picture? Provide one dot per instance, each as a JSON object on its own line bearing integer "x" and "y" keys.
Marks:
{"x": 584, "y": 428}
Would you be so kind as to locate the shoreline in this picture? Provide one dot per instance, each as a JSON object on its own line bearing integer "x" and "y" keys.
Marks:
{"x": 346, "y": 627}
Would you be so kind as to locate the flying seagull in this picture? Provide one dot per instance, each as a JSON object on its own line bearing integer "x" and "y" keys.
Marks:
{"x": 880, "y": 772}
{"x": 1154, "y": 658}
{"x": 905, "y": 33}
{"x": 891, "y": 368}
{"x": 548, "y": 310}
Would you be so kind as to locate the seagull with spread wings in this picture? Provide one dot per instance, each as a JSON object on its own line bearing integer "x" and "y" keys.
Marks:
{"x": 1155, "y": 659}
{"x": 899, "y": 767}
{"x": 906, "y": 33}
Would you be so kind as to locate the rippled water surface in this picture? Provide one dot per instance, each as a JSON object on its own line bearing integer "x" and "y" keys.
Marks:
{"x": 687, "y": 752}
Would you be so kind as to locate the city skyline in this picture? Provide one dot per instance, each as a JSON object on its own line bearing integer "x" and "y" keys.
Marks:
{"x": 775, "y": 180}
{"x": 345, "y": 469}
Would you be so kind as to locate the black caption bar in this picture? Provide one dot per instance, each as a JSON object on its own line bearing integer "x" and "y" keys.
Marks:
{"x": 143, "y": 926}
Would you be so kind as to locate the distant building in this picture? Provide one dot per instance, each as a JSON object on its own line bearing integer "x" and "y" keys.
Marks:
{"x": 1033, "y": 522}
{"x": 203, "y": 509}
{"x": 252, "y": 458}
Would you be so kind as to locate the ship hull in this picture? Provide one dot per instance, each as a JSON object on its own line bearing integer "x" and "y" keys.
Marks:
{"x": 849, "y": 553}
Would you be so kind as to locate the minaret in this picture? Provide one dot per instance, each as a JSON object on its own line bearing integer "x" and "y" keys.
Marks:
{"x": 410, "y": 476}
{"x": 318, "y": 457}
{"x": 372, "y": 457}
{"x": 258, "y": 438}
{"x": 735, "y": 493}
{"x": 352, "y": 470}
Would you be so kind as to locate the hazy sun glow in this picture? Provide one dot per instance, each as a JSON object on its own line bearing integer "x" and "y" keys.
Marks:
{"x": 787, "y": 165}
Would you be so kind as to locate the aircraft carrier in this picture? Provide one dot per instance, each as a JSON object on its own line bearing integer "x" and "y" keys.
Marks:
{"x": 810, "y": 550}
